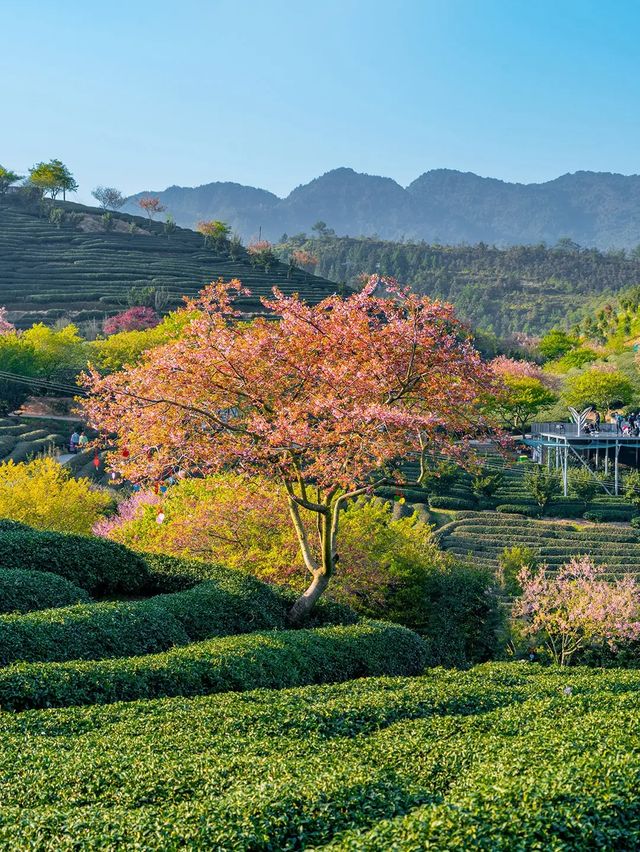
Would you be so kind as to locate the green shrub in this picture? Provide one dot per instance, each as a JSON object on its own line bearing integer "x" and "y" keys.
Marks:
{"x": 462, "y": 621}
{"x": 96, "y": 565}
{"x": 517, "y": 509}
{"x": 25, "y": 591}
{"x": 604, "y": 515}
{"x": 228, "y": 603}
{"x": 450, "y": 503}
{"x": 496, "y": 758}
{"x": 512, "y": 560}
{"x": 273, "y": 660}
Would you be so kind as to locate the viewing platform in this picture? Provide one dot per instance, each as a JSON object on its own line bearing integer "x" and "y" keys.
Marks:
{"x": 556, "y": 443}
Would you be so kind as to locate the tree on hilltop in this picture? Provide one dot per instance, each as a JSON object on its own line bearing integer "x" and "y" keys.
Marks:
{"x": 53, "y": 178}
{"x": 322, "y": 402}
{"x": 151, "y": 206}
{"x": 7, "y": 178}
{"x": 215, "y": 232}
{"x": 108, "y": 197}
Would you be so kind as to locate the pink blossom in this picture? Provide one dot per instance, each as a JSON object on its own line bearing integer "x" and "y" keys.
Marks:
{"x": 128, "y": 510}
{"x": 5, "y": 326}
{"x": 135, "y": 319}
{"x": 577, "y": 607}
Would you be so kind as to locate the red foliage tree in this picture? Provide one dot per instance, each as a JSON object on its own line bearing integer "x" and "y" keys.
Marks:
{"x": 304, "y": 259}
{"x": 133, "y": 319}
{"x": 151, "y": 205}
{"x": 323, "y": 401}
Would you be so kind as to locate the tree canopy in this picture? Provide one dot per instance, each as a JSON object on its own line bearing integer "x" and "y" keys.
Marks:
{"x": 323, "y": 402}
{"x": 53, "y": 178}
{"x": 600, "y": 388}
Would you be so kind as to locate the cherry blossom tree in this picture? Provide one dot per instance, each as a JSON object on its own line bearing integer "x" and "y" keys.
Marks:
{"x": 577, "y": 607}
{"x": 261, "y": 253}
{"x": 214, "y": 231}
{"x": 151, "y": 206}
{"x": 323, "y": 402}
{"x": 304, "y": 259}
{"x": 5, "y": 326}
{"x": 522, "y": 391}
{"x": 134, "y": 319}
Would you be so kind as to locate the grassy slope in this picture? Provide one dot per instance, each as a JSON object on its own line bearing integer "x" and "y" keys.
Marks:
{"x": 48, "y": 272}
{"x": 495, "y": 758}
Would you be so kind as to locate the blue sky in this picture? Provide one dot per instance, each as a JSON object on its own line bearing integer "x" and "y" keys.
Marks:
{"x": 142, "y": 95}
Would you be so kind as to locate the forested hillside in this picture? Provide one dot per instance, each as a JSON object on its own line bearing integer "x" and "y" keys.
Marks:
{"x": 519, "y": 289}
{"x": 67, "y": 261}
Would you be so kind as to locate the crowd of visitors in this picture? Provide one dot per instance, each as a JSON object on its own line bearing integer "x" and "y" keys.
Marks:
{"x": 627, "y": 425}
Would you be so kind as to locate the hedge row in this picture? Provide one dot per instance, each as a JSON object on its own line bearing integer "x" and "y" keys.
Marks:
{"x": 25, "y": 591}
{"x": 273, "y": 660}
{"x": 450, "y": 503}
{"x": 498, "y": 758}
{"x": 95, "y": 564}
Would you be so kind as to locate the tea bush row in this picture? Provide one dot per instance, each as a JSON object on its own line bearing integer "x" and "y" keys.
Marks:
{"x": 273, "y": 660}
{"x": 499, "y": 757}
{"x": 234, "y": 603}
{"x": 25, "y": 591}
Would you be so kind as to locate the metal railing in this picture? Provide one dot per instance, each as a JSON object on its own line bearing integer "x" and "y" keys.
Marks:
{"x": 557, "y": 427}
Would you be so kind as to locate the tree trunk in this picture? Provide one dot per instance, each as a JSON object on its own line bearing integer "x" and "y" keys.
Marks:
{"x": 303, "y": 606}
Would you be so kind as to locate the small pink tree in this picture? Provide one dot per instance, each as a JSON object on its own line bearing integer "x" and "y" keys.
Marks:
{"x": 304, "y": 259}
{"x": 128, "y": 510}
{"x": 5, "y": 326}
{"x": 577, "y": 607}
{"x": 133, "y": 319}
{"x": 151, "y": 205}
{"x": 261, "y": 253}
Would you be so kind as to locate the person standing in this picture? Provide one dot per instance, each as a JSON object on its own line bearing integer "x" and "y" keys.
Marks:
{"x": 74, "y": 440}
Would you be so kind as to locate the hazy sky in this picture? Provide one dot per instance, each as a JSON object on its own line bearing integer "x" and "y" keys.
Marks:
{"x": 143, "y": 94}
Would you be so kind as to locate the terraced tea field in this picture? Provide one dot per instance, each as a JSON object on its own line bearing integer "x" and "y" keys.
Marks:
{"x": 24, "y": 438}
{"x": 482, "y": 537}
{"x": 48, "y": 272}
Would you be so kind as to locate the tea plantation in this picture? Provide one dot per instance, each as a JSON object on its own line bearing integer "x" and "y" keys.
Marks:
{"x": 502, "y": 757}
{"x": 484, "y": 536}
{"x": 152, "y": 702}
{"x": 77, "y": 269}
{"x": 24, "y": 438}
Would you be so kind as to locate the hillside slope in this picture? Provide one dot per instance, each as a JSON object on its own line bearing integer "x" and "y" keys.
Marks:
{"x": 443, "y": 205}
{"x": 523, "y": 288}
{"x": 76, "y": 269}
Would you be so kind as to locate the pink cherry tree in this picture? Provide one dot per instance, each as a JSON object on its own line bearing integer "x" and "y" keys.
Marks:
{"x": 577, "y": 608}
{"x": 5, "y": 326}
{"x": 323, "y": 402}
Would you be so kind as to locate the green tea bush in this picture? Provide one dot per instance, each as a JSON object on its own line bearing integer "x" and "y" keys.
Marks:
{"x": 450, "y": 503}
{"x": 25, "y": 591}
{"x": 611, "y": 515}
{"x": 462, "y": 622}
{"x": 96, "y": 565}
{"x": 228, "y": 603}
{"x": 273, "y": 660}
{"x": 502, "y": 757}
{"x": 517, "y": 509}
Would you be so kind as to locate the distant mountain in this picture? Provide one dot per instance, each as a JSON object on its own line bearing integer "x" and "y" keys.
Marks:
{"x": 592, "y": 208}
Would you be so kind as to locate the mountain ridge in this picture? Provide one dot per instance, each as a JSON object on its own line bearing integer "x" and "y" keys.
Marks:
{"x": 595, "y": 209}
